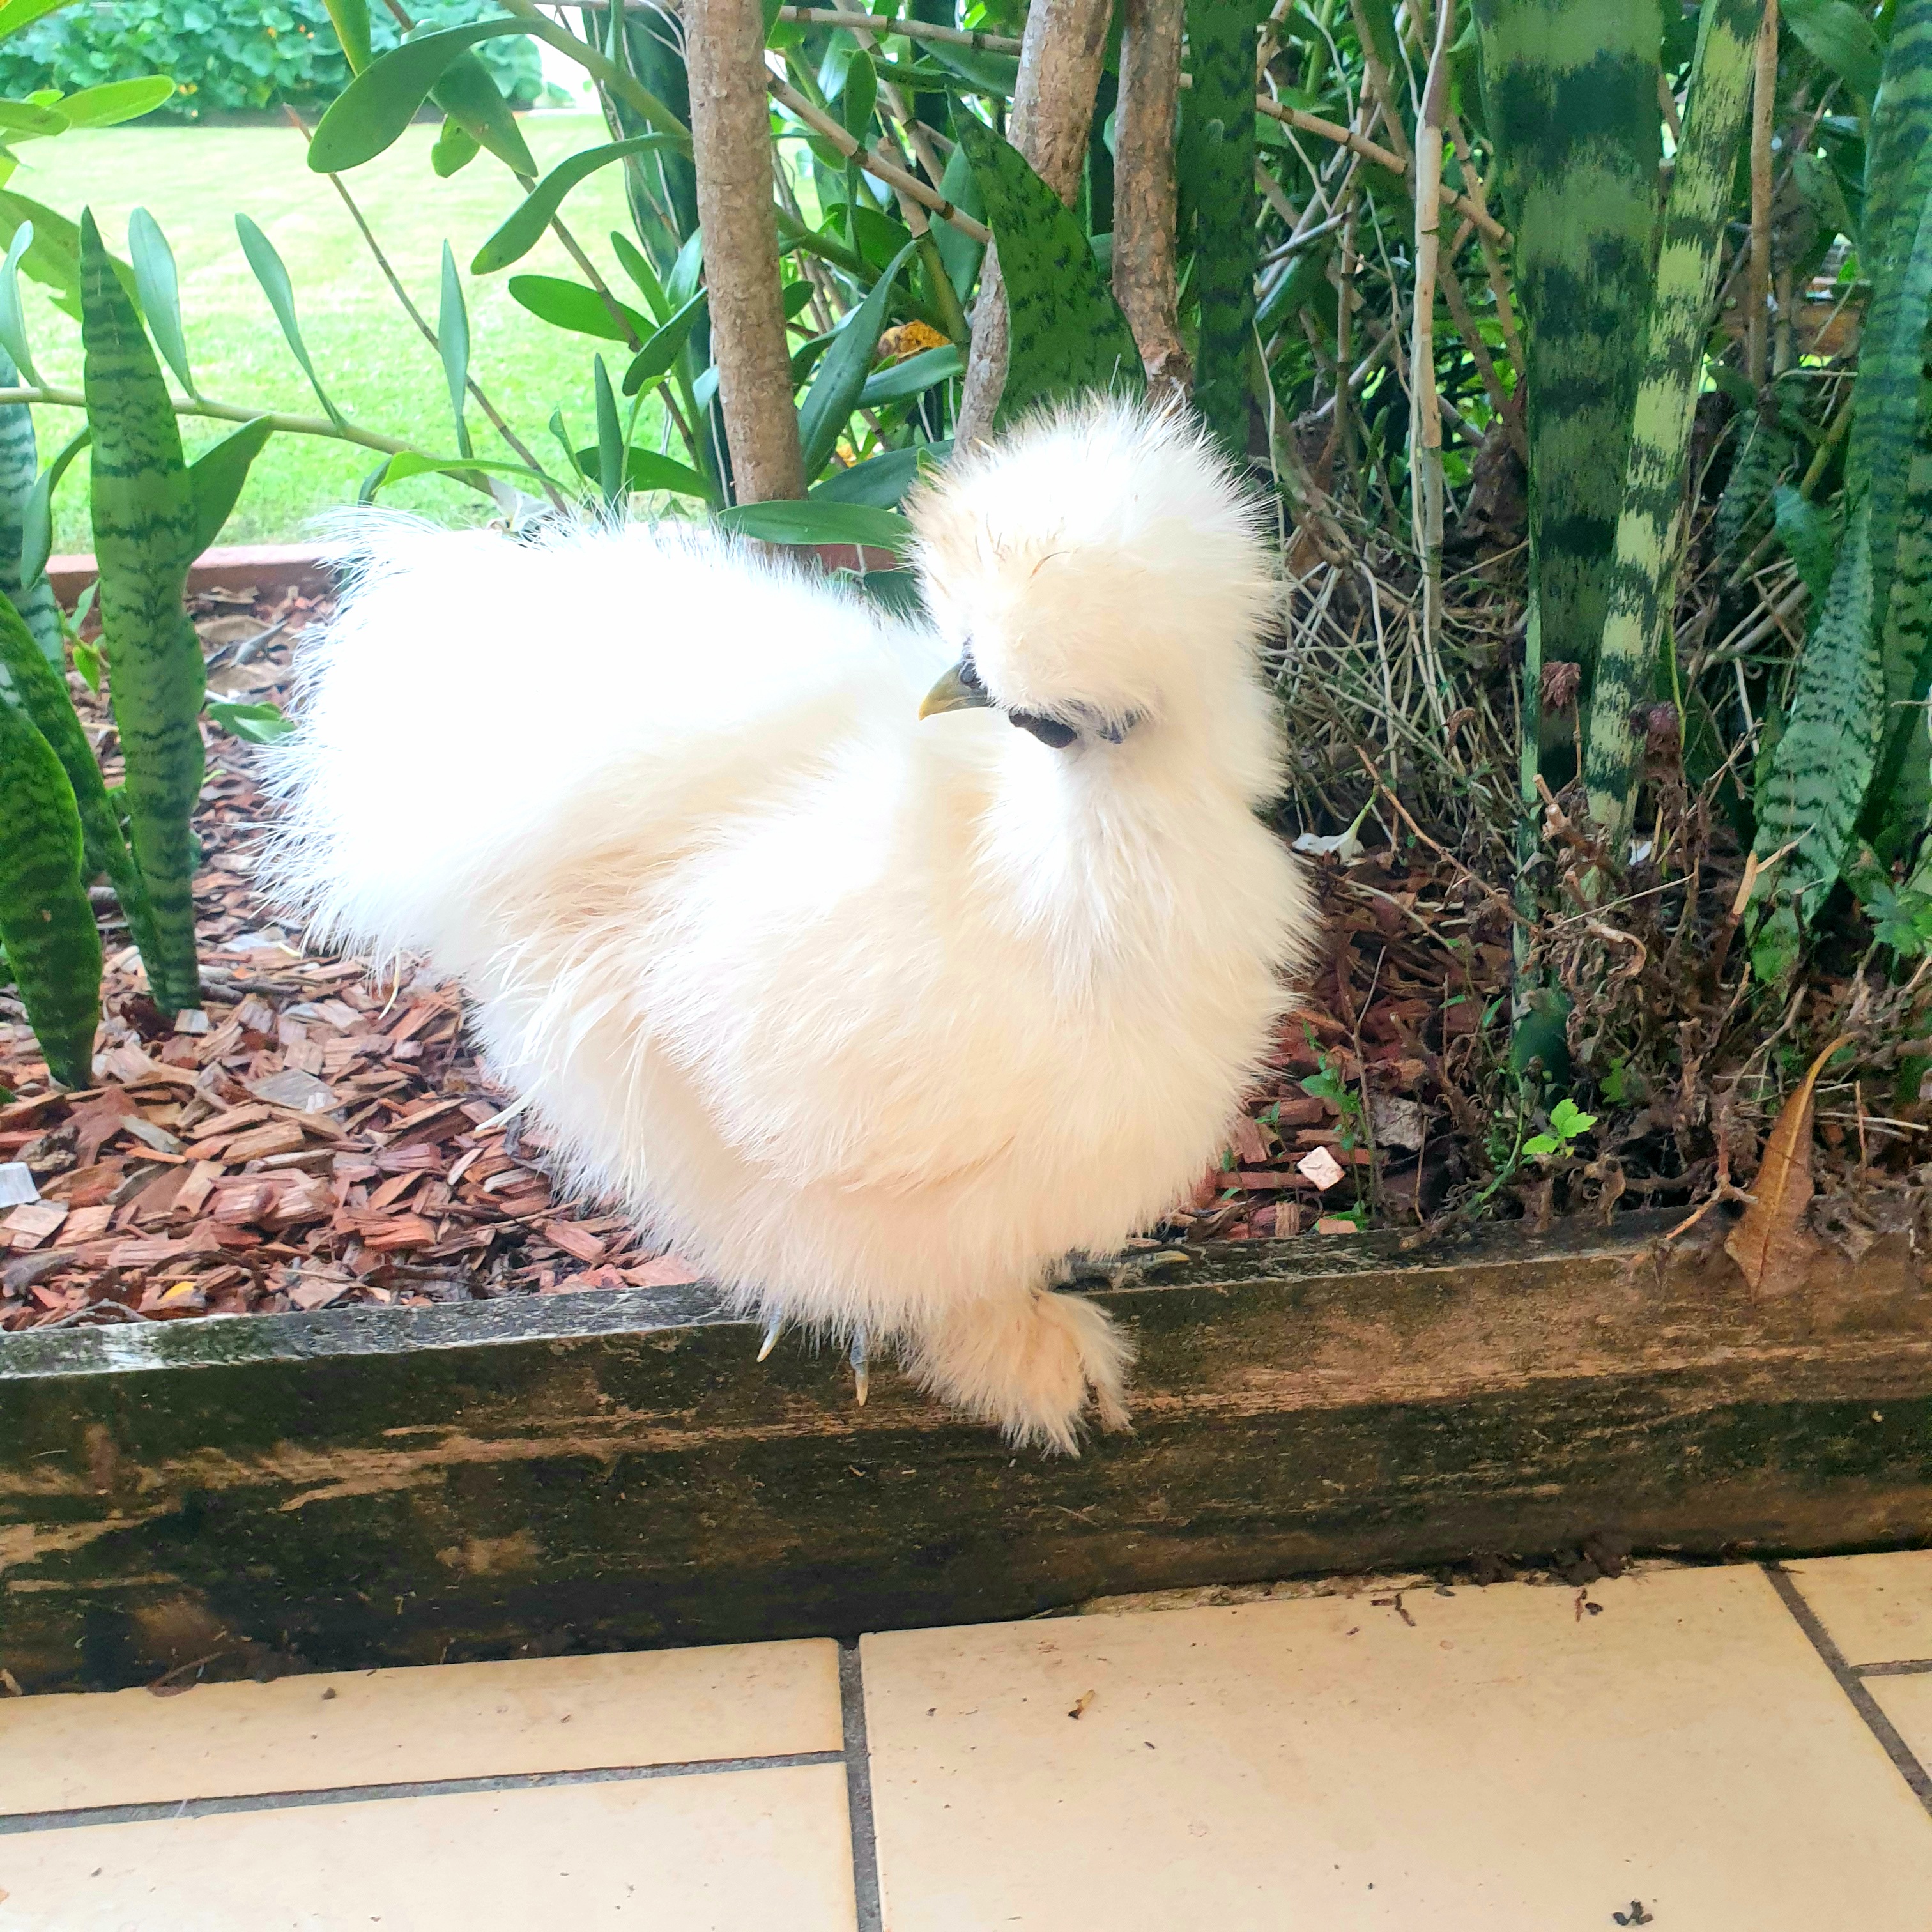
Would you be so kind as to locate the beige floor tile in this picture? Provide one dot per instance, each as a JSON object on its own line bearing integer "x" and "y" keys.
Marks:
{"x": 1877, "y": 1609}
{"x": 1506, "y": 1763}
{"x": 397, "y": 1726}
{"x": 1907, "y": 1702}
{"x": 749, "y": 1851}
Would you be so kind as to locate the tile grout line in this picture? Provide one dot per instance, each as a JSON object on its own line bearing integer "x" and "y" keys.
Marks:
{"x": 14, "y": 1822}
{"x": 865, "y": 1889}
{"x": 1851, "y": 1684}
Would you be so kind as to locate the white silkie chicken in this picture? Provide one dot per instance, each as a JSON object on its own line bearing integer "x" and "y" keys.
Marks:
{"x": 876, "y": 1020}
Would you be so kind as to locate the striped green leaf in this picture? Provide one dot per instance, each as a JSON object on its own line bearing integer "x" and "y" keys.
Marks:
{"x": 1217, "y": 181}
{"x": 1570, "y": 92}
{"x": 1644, "y": 565}
{"x": 1848, "y": 717}
{"x": 19, "y": 461}
{"x": 1066, "y": 332}
{"x": 1901, "y": 793}
{"x": 47, "y": 925}
{"x": 28, "y": 680}
{"x": 144, "y": 534}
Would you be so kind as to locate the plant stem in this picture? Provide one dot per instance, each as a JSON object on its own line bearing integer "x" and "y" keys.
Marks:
{"x": 1763, "y": 98}
{"x": 1425, "y": 410}
{"x": 1145, "y": 279}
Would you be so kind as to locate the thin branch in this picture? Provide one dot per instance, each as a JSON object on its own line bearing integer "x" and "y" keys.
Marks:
{"x": 1763, "y": 115}
{"x": 1425, "y": 411}
{"x": 795, "y": 104}
{"x": 1145, "y": 280}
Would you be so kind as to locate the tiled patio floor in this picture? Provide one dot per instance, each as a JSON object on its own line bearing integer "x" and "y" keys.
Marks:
{"x": 1733, "y": 1750}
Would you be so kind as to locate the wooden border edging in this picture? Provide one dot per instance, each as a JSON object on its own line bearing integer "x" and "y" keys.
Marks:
{"x": 307, "y": 567}
{"x": 606, "y": 1470}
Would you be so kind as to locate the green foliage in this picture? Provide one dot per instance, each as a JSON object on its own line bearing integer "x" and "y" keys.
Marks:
{"x": 1566, "y": 1121}
{"x": 225, "y": 56}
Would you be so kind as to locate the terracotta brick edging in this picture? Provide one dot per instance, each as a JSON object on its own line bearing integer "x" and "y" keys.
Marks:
{"x": 233, "y": 567}
{"x": 309, "y": 568}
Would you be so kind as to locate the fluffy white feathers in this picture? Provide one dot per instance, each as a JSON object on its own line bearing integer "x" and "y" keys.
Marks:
{"x": 876, "y": 1019}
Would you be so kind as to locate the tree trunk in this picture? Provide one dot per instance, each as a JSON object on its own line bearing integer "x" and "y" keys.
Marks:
{"x": 1060, "y": 60}
{"x": 730, "y": 132}
{"x": 1144, "y": 281}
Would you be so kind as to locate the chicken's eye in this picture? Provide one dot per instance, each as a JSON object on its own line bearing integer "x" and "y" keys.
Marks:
{"x": 968, "y": 674}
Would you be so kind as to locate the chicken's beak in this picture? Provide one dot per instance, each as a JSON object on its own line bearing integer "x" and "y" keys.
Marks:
{"x": 953, "y": 693}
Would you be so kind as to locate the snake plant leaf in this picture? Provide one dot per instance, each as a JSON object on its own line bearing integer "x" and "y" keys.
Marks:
{"x": 574, "y": 306}
{"x": 1839, "y": 38}
{"x": 370, "y": 114}
{"x": 272, "y": 273}
{"x": 1217, "y": 181}
{"x": 840, "y": 380}
{"x": 1570, "y": 90}
{"x": 159, "y": 284}
{"x": 144, "y": 531}
{"x": 1066, "y": 332}
{"x": 350, "y": 19}
{"x": 1806, "y": 538}
{"x": 611, "y": 447}
{"x": 218, "y": 474}
{"x": 959, "y": 251}
{"x": 1901, "y": 794}
{"x": 19, "y": 460}
{"x": 13, "y": 313}
{"x": 46, "y": 925}
{"x": 525, "y": 227}
{"x": 53, "y": 259}
{"x": 452, "y": 344}
{"x": 29, "y": 680}
{"x": 468, "y": 93}
{"x": 1644, "y": 565}
{"x": 1762, "y": 458}
{"x": 1900, "y": 115}
{"x": 817, "y": 521}
{"x": 664, "y": 345}
{"x": 37, "y": 519}
{"x": 115, "y": 101}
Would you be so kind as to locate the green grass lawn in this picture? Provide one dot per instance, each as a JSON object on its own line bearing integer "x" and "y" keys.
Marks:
{"x": 375, "y": 366}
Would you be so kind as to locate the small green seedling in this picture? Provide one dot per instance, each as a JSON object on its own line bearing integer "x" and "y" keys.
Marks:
{"x": 1567, "y": 1121}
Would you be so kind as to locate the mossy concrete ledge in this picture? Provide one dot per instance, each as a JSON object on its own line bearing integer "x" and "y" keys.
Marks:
{"x": 593, "y": 1471}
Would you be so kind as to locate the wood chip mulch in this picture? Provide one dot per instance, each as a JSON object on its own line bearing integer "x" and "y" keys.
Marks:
{"x": 311, "y": 1138}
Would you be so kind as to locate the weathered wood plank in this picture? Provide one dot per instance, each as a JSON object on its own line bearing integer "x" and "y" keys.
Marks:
{"x": 586, "y": 1472}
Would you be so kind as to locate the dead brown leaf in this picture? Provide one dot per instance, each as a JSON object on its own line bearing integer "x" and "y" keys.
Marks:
{"x": 1770, "y": 1243}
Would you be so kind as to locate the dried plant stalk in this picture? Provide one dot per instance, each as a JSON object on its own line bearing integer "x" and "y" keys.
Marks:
{"x": 1425, "y": 411}
{"x": 1144, "y": 280}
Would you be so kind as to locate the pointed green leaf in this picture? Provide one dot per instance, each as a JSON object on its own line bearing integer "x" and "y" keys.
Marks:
{"x": 452, "y": 344}
{"x": 468, "y": 94}
{"x": 610, "y": 438}
{"x": 818, "y": 521}
{"x": 54, "y": 257}
{"x": 1065, "y": 331}
{"x": 1807, "y": 538}
{"x": 350, "y": 19}
{"x": 681, "y": 284}
{"x": 13, "y": 315}
{"x": 959, "y": 251}
{"x": 18, "y": 13}
{"x": 115, "y": 101}
{"x": 881, "y": 482}
{"x": 840, "y": 380}
{"x": 273, "y": 275}
{"x": 22, "y": 121}
{"x": 455, "y": 148}
{"x": 159, "y": 287}
{"x": 46, "y": 925}
{"x": 1839, "y": 38}
{"x": 912, "y": 377}
{"x": 641, "y": 273}
{"x": 664, "y": 347}
{"x": 19, "y": 462}
{"x": 369, "y": 115}
{"x": 37, "y": 521}
{"x": 573, "y": 306}
{"x": 252, "y": 723}
{"x": 408, "y": 463}
{"x": 525, "y": 227}
{"x": 144, "y": 530}
{"x": 218, "y": 474}
{"x": 994, "y": 74}
{"x": 37, "y": 686}
{"x": 647, "y": 470}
